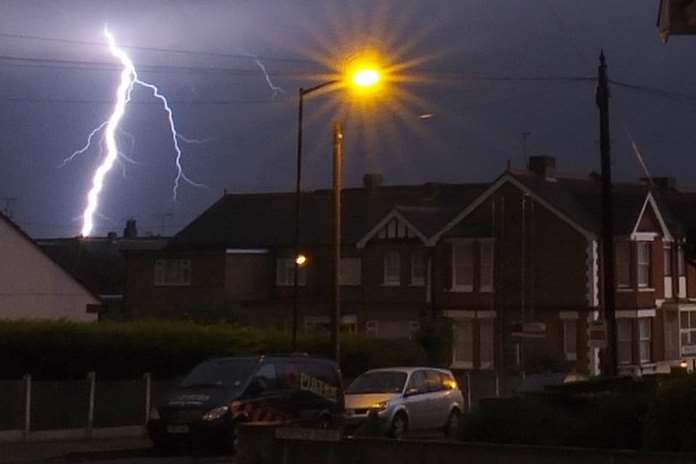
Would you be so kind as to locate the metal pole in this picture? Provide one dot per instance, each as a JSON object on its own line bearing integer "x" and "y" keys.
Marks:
{"x": 336, "y": 313}
{"x": 27, "y": 405}
{"x": 148, "y": 395}
{"x": 91, "y": 378}
{"x": 298, "y": 202}
{"x": 610, "y": 358}
{"x": 468, "y": 390}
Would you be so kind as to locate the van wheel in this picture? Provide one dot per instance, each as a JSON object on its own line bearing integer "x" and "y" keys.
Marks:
{"x": 398, "y": 426}
{"x": 452, "y": 425}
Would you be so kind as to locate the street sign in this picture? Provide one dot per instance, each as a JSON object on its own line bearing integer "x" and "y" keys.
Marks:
{"x": 598, "y": 334}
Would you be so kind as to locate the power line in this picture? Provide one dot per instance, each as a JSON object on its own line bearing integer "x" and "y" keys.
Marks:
{"x": 87, "y": 101}
{"x": 658, "y": 92}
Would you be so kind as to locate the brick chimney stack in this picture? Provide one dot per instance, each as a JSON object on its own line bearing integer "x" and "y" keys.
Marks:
{"x": 543, "y": 166}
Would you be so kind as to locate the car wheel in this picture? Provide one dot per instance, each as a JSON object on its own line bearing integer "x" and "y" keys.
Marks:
{"x": 452, "y": 425}
{"x": 398, "y": 426}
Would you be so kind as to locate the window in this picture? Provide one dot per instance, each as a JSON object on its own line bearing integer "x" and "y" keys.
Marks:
{"x": 623, "y": 264}
{"x": 671, "y": 335}
{"x": 487, "y": 342}
{"x": 417, "y": 382}
{"x": 463, "y": 343}
{"x": 645, "y": 339}
{"x": 570, "y": 339}
{"x": 372, "y": 328}
{"x": 688, "y": 332}
{"x": 486, "y": 266}
{"x": 433, "y": 381}
{"x": 463, "y": 266}
{"x": 392, "y": 268}
{"x": 643, "y": 264}
{"x": 266, "y": 378}
{"x": 351, "y": 271}
{"x": 418, "y": 268}
{"x": 173, "y": 272}
{"x": 285, "y": 273}
{"x": 680, "y": 261}
{"x": 668, "y": 260}
{"x": 624, "y": 335}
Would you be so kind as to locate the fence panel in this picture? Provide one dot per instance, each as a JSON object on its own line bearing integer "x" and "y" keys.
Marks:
{"x": 11, "y": 405}
{"x": 119, "y": 403}
{"x": 59, "y": 405}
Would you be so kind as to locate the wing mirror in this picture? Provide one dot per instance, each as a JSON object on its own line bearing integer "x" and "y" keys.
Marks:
{"x": 410, "y": 392}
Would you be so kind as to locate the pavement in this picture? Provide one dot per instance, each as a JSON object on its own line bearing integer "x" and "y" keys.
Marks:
{"x": 70, "y": 450}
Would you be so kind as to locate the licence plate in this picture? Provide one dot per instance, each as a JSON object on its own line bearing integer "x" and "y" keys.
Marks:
{"x": 177, "y": 429}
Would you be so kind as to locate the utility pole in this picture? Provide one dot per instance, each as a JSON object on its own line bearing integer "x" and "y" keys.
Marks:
{"x": 337, "y": 168}
{"x": 608, "y": 261}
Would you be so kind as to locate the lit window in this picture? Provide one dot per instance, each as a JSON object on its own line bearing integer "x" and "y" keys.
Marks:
{"x": 643, "y": 264}
{"x": 392, "y": 268}
{"x": 486, "y": 266}
{"x": 623, "y": 264}
{"x": 570, "y": 339}
{"x": 463, "y": 266}
{"x": 172, "y": 272}
{"x": 285, "y": 273}
{"x": 687, "y": 330}
{"x": 645, "y": 339}
{"x": 351, "y": 271}
{"x": 418, "y": 268}
{"x": 624, "y": 334}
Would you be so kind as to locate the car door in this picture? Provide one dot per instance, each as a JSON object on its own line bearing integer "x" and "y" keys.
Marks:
{"x": 436, "y": 403}
{"x": 416, "y": 401}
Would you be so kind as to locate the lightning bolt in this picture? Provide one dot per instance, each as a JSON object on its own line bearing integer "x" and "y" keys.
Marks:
{"x": 129, "y": 78}
{"x": 276, "y": 90}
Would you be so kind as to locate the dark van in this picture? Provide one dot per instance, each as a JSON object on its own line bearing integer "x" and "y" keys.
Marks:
{"x": 218, "y": 394}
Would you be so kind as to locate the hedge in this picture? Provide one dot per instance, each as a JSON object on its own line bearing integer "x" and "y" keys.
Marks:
{"x": 121, "y": 350}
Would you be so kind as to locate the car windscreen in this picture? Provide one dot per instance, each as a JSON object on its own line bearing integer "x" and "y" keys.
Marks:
{"x": 229, "y": 373}
{"x": 378, "y": 382}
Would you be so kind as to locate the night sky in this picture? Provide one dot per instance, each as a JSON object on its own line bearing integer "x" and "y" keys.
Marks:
{"x": 466, "y": 62}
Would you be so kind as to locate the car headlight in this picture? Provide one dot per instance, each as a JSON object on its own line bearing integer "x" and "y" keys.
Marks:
{"x": 154, "y": 414}
{"x": 216, "y": 413}
{"x": 381, "y": 406}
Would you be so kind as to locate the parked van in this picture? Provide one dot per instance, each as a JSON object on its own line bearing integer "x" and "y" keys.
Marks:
{"x": 217, "y": 395}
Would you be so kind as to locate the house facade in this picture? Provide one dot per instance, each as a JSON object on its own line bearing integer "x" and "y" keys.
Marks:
{"x": 33, "y": 286}
{"x": 514, "y": 266}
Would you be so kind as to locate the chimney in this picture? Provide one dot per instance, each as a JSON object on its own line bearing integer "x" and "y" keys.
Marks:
{"x": 543, "y": 165}
{"x": 131, "y": 231}
{"x": 660, "y": 183}
{"x": 112, "y": 235}
{"x": 372, "y": 181}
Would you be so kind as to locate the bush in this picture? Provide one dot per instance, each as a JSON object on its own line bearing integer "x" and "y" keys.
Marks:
{"x": 670, "y": 423}
{"x": 167, "y": 349}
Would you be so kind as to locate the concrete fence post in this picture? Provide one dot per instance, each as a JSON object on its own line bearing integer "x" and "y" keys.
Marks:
{"x": 468, "y": 390}
{"x": 91, "y": 378}
{"x": 148, "y": 395}
{"x": 27, "y": 405}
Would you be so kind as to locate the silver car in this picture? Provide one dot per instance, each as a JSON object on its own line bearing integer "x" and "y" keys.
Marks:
{"x": 402, "y": 399}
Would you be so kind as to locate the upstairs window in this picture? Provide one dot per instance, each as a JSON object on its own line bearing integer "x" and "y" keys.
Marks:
{"x": 668, "y": 260}
{"x": 392, "y": 269}
{"x": 463, "y": 266}
{"x": 418, "y": 268}
{"x": 285, "y": 273}
{"x": 351, "y": 271}
{"x": 486, "y": 281}
{"x": 172, "y": 272}
{"x": 644, "y": 264}
{"x": 623, "y": 264}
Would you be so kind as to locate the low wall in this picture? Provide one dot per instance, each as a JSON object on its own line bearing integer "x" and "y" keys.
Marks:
{"x": 258, "y": 445}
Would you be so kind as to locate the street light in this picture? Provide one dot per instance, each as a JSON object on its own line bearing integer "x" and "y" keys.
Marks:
{"x": 360, "y": 76}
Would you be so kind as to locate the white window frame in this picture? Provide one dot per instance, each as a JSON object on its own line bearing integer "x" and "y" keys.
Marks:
{"x": 172, "y": 272}
{"x": 418, "y": 262}
{"x": 625, "y": 337}
{"x": 644, "y": 263}
{"x": 489, "y": 269}
{"x": 464, "y": 287}
{"x": 645, "y": 339}
{"x": 351, "y": 271}
{"x": 285, "y": 273}
{"x": 392, "y": 280}
{"x": 687, "y": 331}
{"x": 570, "y": 334}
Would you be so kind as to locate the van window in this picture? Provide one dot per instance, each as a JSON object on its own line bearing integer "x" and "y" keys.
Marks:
{"x": 320, "y": 379}
{"x": 231, "y": 373}
{"x": 267, "y": 378}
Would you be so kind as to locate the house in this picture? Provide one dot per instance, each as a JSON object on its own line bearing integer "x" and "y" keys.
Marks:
{"x": 100, "y": 262}
{"x": 513, "y": 265}
{"x": 33, "y": 286}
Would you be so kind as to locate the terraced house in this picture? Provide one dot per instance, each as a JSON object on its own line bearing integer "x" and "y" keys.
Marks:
{"x": 514, "y": 265}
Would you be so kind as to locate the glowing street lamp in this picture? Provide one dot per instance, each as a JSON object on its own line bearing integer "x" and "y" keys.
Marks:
{"x": 301, "y": 260}
{"x": 359, "y": 76}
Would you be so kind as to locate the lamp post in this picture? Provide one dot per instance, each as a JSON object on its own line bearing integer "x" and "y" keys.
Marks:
{"x": 360, "y": 77}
